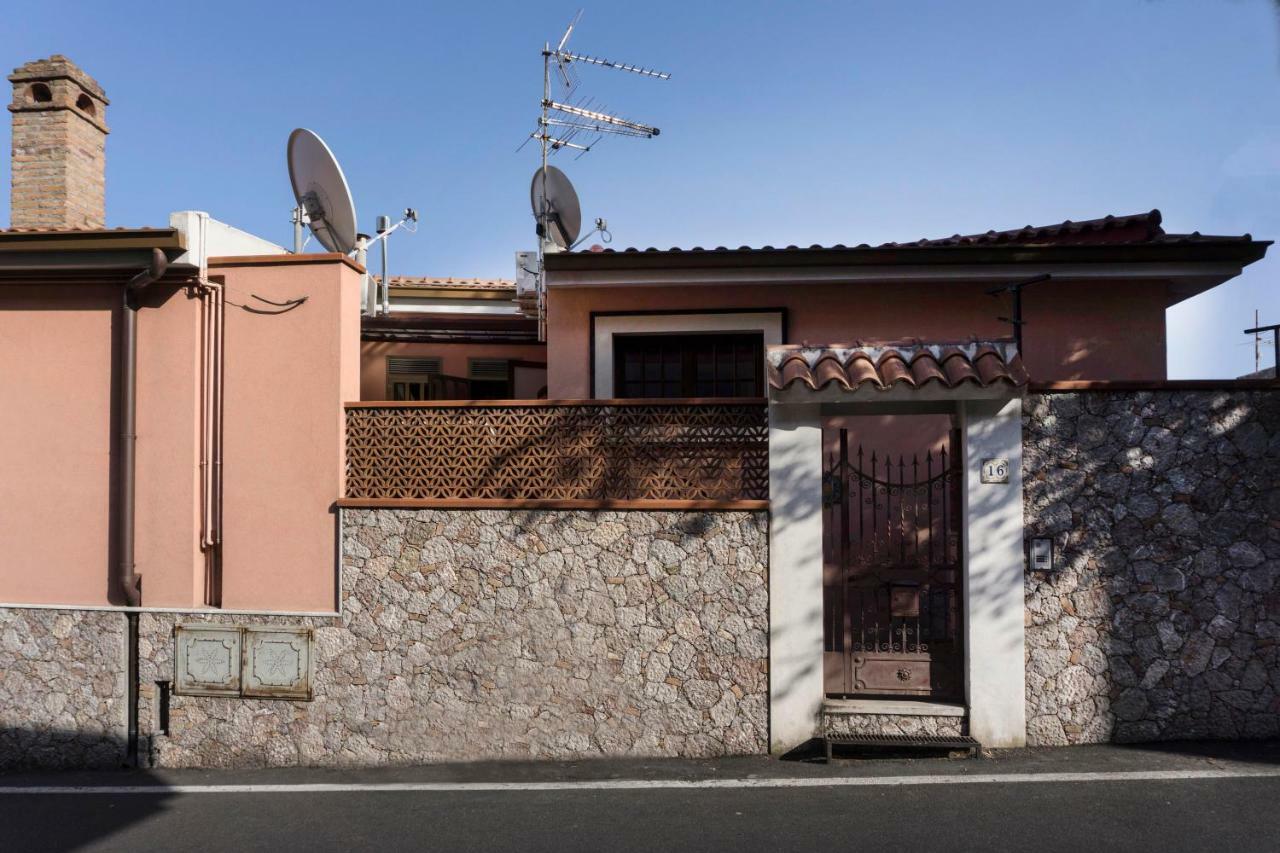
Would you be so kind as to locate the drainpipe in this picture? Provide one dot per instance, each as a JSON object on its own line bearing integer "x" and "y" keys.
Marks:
{"x": 130, "y": 582}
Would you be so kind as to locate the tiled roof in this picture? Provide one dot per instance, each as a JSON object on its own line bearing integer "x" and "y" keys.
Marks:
{"x": 1138, "y": 228}
{"x": 427, "y": 283}
{"x": 883, "y": 366}
{"x": 1135, "y": 228}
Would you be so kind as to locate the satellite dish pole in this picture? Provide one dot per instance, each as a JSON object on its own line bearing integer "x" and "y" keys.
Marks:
{"x": 543, "y": 138}
{"x": 559, "y": 122}
{"x": 384, "y": 225}
{"x": 299, "y": 218}
{"x": 326, "y": 207}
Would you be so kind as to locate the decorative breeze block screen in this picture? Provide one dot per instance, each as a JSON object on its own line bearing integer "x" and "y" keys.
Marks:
{"x": 560, "y": 451}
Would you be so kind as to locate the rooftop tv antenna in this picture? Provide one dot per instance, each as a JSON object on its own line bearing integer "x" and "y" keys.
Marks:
{"x": 326, "y": 207}
{"x": 1258, "y": 330}
{"x": 568, "y": 121}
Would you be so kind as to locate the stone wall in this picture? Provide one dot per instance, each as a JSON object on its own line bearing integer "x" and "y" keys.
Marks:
{"x": 1163, "y": 619}
{"x": 62, "y": 688}
{"x": 508, "y": 634}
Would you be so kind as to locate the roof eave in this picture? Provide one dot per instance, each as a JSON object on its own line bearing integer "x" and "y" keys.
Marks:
{"x": 112, "y": 239}
{"x": 1243, "y": 252}
{"x": 49, "y": 253}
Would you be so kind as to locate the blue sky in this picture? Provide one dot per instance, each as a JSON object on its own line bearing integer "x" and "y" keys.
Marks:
{"x": 803, "y": 123}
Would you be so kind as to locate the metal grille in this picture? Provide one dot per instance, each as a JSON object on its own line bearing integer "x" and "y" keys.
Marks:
{"x": 606, "y": 450}
{"x": 957, "y": 741}
{"x": 902, "y": 742}
{"x": 891, "y": 606}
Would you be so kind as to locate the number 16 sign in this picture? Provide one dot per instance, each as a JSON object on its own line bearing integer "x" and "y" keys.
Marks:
{"x": 995, "y": 470}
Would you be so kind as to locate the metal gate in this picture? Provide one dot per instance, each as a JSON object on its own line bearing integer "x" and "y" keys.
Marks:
{"x": 892, "y": 574}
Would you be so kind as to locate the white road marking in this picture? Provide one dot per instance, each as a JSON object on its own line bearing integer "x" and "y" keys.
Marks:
{"x": 1244, "y": 772}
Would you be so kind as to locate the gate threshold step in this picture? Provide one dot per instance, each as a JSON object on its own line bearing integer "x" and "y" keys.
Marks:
{"x": 903, "y": 741}
{"x": 897, "y": 707}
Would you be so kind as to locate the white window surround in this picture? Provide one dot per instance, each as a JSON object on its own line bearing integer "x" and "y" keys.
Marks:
{"x": 768, "y": 323}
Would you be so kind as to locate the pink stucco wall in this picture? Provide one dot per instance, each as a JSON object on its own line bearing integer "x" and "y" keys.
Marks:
{"x": 286, "y": 379}
{"x": 287, "y": 376}
{"x": 55, "y": 442}
{"x": 1079, "y": 330}
{"x": 373, "y": 359}
{"x": 168, "y": 474}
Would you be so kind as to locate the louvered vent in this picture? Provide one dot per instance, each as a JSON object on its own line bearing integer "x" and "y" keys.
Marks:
{"x": 399, "y": 366}
{"x": 489, "y": 369}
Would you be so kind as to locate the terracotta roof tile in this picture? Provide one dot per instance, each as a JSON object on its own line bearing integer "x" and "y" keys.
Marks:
{"x": 883, "y": 366}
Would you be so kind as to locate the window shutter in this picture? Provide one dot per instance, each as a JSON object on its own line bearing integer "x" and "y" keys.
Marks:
{"x": 400, "y": 366}
{"x": 488, "y": 369}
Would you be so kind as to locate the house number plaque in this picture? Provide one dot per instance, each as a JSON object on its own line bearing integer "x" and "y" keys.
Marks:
{"x": 995, "y": 470}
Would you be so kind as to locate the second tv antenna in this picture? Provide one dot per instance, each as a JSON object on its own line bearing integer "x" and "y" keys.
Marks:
{"x": 569, "y": 121}
{"x": 566, "y": 118}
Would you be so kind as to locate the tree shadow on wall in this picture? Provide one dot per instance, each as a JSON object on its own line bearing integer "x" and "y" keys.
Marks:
{"x": 795, "y": 493}
{"x": 1162, "y": 618}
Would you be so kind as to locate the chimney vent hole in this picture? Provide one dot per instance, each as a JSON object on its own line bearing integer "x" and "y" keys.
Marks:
{"x": 40, "y": 93}
{"x": 85, "y": 103}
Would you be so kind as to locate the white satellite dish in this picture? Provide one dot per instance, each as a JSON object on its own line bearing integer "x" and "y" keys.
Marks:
{"x": 555, "y": 205}
{"x": 321, "y": 190}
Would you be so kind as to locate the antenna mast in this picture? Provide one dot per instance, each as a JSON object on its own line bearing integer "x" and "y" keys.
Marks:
{"x": 561, "y": 121}
{"x": 1257, "y": 330}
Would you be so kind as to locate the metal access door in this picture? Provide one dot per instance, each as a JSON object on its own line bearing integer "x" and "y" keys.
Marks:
{"x": 892, "y": 574}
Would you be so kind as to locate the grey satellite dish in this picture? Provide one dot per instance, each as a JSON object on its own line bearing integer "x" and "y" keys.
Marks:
{"x": 556, "y": 203}
{"x": 321, "y": 190}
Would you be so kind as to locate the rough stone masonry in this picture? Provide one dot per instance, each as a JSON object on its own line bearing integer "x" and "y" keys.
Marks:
{"x": 62, "y": 688}
{"x": 1163, "y": 621}
{"x": 509, "y": 634}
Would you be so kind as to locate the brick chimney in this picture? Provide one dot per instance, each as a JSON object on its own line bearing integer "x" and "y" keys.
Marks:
{"x": 59, "y": 146}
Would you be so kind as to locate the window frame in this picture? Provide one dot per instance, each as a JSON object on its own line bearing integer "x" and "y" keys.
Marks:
{"x": 420, "y": 378}
{"x": 689, "y": 349}
{"x": 771, "y": 323}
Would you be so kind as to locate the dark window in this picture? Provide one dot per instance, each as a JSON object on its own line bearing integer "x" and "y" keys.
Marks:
{"x": 412, "y": 379}
{"x": 490, "y": 378}
{"x": 688, "y": 365}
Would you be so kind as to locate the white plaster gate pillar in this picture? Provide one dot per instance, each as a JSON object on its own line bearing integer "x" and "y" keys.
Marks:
{"x": 795, "y": 574}
{"x": 983, "y": 385}
{"x": 995, "y": 666}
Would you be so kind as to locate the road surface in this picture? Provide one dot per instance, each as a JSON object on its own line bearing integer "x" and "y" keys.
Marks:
{"x": 1191, "y": 797}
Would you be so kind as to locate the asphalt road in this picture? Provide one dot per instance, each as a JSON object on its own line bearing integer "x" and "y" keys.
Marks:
{"x": 893, "y": 805}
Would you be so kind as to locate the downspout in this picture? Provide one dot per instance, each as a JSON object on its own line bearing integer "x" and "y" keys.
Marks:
{"x": 129, "y": 580}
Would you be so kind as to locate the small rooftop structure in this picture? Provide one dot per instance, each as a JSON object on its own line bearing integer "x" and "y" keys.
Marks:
{"x": 427, "y": 309}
